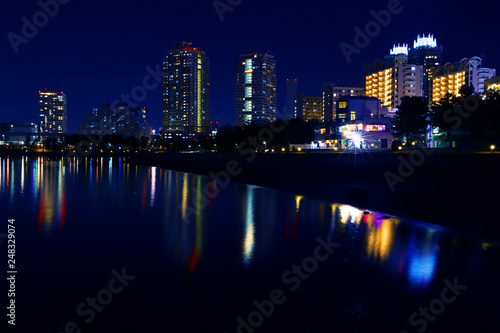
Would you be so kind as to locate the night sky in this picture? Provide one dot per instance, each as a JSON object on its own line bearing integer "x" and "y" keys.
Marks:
{"x": 95, "y": 51}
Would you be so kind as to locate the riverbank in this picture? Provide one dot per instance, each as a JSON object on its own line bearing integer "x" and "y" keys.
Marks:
{"x": 457, "y": 190}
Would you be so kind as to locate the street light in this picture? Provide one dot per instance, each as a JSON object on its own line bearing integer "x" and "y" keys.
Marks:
{"x": 492, "y": 147}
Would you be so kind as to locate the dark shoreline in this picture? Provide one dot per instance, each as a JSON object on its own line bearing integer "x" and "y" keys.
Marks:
{"x": 456, "y": 190}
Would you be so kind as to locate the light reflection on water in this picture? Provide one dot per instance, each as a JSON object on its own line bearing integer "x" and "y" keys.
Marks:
{"x": 187, "y": 204}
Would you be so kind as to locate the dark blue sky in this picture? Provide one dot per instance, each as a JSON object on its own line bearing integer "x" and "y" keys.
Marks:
{"x": 95, "y": 51}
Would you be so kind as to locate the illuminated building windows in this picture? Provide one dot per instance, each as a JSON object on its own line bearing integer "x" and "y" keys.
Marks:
{"x": 248, "y": 106}
{"x": 248, "y": 91}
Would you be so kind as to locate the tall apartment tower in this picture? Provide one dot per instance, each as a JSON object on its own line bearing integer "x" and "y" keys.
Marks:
{"x": 393, "y": 78}
{"x": 331, "y": 94}
{"x": 256, "y": 88}
{"x": 291, "y": 93}
{"x": 428, "y": 54}
{"x": 186, "y": 90}
{"x": 53, "y": 112}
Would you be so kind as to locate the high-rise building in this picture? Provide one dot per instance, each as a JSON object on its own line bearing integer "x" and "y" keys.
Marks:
{"x": 393, "y": 78}
{"x": 309, "y": 108}
{"x": 291, "y": 93}
{"x": 451, "y": 77}
{"x": 186, "y": 90}
{"x": 255, "y": 88}
{"x": 121, "y": 119}
{"x": 331, "y": 94}
{"x": 53, "y": 112}
{"x": 428, "y": 54}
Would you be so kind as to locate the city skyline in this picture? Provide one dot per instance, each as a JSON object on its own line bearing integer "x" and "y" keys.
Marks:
{"x": 93, "y": 72}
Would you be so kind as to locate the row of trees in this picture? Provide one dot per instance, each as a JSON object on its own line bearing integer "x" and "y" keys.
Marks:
{"x": 276, "y": 135}
{"x": 84, "y": 141}
{"x": 467, "y": 119}
{"x": 229, "y": 138}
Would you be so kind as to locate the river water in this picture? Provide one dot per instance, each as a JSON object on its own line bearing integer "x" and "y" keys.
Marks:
{"x": 106, "y": 246}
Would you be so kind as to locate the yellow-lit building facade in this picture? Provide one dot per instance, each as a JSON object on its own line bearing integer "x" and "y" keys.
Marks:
{"x": 392, "y": 83}
{"x": 444, "y": 84}
{"x": 493, "y": 84}
{"x": 451, "y": 77}
{"x": 381, "y": 85}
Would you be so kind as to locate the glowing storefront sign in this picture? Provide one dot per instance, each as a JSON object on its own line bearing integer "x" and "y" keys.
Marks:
{"x": 375, "y": 128}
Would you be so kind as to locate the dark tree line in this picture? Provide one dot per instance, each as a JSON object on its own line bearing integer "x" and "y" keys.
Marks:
{"x": 87, "y": 142}
{"x": 467, "y": 119}
{"x": 277, "y": 135}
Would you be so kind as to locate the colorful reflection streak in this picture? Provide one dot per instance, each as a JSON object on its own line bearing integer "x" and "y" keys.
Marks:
{"x": 384, "y": 244}
{"x": 379, "y": 237}
{"x": 43, "y": 182}
{"x": 422, "y": 256}
{"x": 249, "y": 233}
{"x": 52, "y": 200}
{"x": 185, "y": 210}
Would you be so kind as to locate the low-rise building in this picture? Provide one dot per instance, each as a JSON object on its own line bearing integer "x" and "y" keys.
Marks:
{"x": 16, "y": 133}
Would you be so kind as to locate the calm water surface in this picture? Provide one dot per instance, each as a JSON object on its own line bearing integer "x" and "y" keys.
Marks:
{"x": 204, "y": 257}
